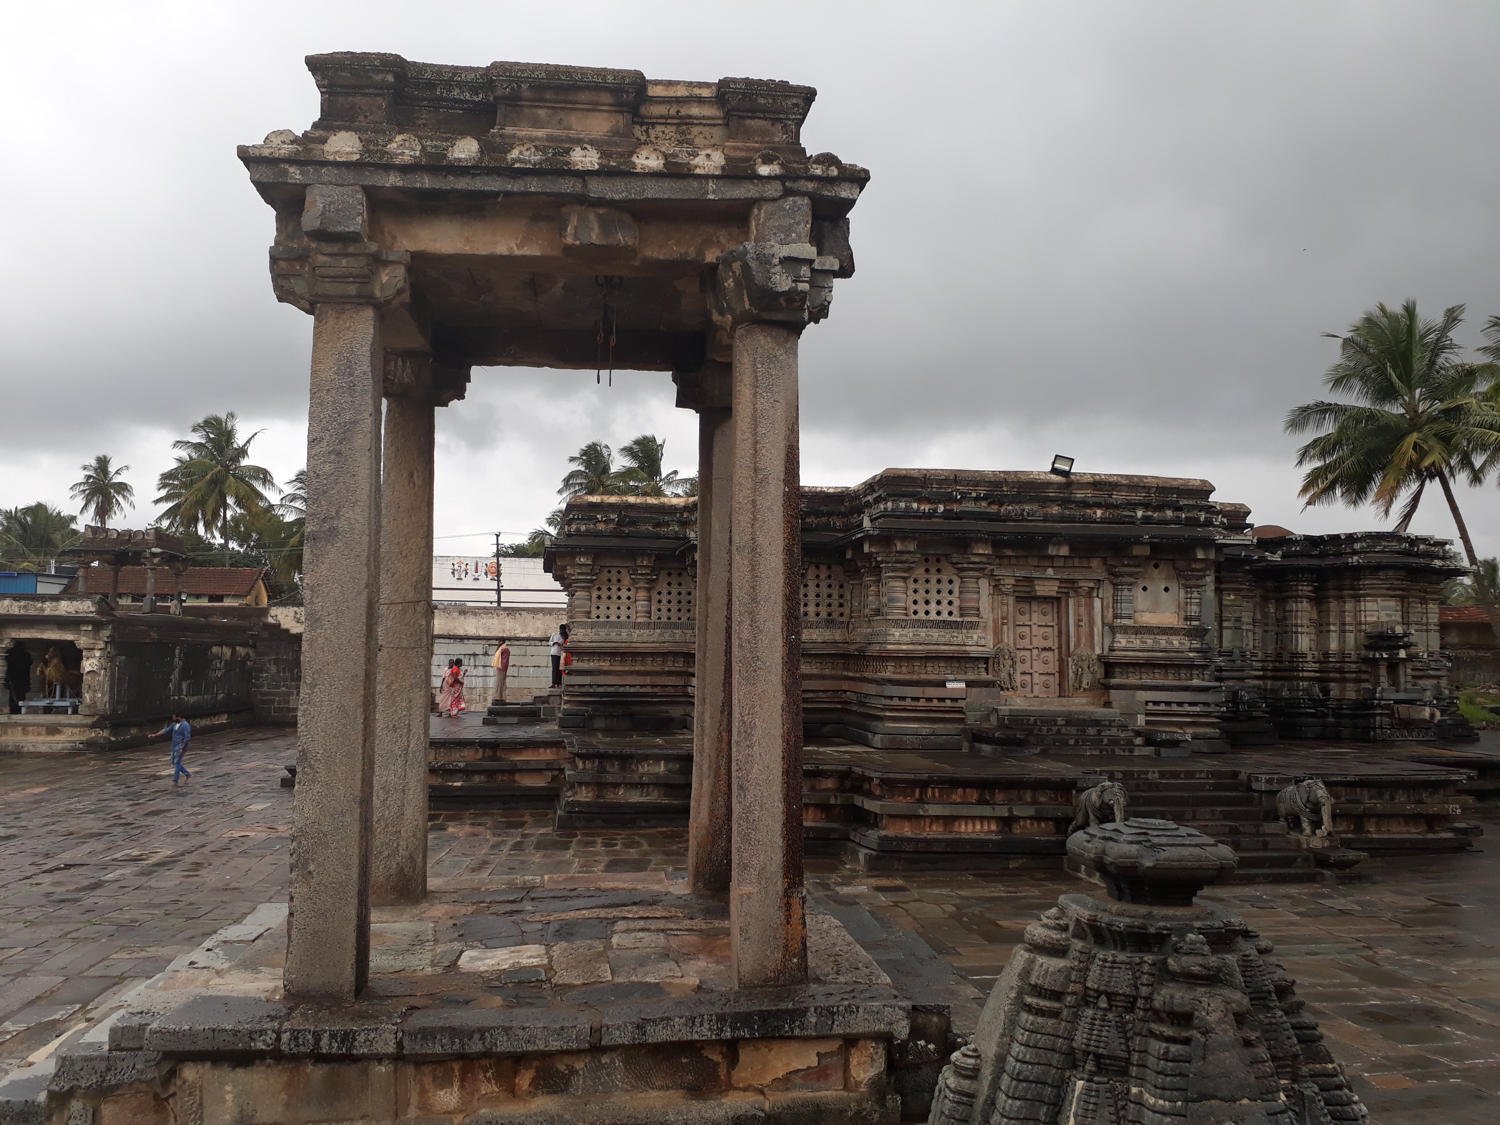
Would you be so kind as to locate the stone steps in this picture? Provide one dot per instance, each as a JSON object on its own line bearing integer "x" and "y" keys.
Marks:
{"x": 1082, "y": 729}
{"x": 520, "y": 773}
{"x": 627, "y": 785}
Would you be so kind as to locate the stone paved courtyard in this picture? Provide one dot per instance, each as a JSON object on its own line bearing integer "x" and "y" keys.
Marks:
{"x": 107, "y": 874}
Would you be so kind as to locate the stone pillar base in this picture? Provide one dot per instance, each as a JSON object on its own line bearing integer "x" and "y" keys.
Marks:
{"x": 698, "y": 1050}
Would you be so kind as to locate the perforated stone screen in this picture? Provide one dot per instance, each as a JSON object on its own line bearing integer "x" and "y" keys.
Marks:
{"x": 672, "y": 599}
{"x": 825, "y": 593}
{"x": 613, "y": 595}
{"x": 934, "y": 588}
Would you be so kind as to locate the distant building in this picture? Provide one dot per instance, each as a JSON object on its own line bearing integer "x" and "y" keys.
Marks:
{"x": 472, "y": 580}
{"x": 25, "y": 582}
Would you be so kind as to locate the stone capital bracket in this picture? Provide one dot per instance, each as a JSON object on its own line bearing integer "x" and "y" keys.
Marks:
{"x": 330, "y": 259}
{"x": 337, "y": 273}
{"x": 407, "y": 375}
{"x": 788, "y": 283}
{"x": 708, "y": 389}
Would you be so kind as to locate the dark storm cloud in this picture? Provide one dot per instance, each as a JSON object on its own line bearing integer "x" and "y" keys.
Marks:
{"x": 1121, "y": 226}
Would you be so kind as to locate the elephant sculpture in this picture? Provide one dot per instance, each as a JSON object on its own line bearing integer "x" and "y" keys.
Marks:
{"x": 1103, "y": 804}
{"x": 1306, "y": 807}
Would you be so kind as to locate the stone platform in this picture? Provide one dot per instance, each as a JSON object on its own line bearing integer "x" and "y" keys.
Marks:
{"x": 525, "y": 998}
{"x": 990, "y": 807}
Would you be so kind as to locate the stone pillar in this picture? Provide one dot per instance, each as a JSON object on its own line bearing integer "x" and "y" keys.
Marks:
{"x": 328, "y": 931}
{"x": 766, "y": 906}
{"x": 398, "y": 858}
{"x": 708, "y": 843}
{"x": 334, "y": 272}
{"x": 766, "y": 292}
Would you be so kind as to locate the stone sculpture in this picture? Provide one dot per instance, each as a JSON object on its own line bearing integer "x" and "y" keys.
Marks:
{"x": 1306, "y": 807}
{"x": 1144, "y": 1007}
{"x": 1102, "y": 804}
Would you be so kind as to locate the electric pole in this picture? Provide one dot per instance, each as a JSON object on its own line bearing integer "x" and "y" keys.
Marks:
{"x": 497, "y": 569}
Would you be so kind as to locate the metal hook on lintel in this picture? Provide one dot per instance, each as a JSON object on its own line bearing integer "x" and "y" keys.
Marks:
{"x": 606, "y": 327}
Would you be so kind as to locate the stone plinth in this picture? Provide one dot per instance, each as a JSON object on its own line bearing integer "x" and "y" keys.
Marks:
{"x": 527, "y": 999}
{"x": 1144, "y": 1006}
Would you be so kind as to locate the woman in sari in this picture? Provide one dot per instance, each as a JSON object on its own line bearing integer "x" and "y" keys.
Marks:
{"x": 451, "y": 694}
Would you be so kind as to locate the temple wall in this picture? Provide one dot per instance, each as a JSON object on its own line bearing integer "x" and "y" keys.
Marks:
{"x": 131, "y": 670}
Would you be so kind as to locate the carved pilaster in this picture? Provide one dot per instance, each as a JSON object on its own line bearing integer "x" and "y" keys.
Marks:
{"x": 643, "y": 580}
{"x": 971, "y": 576}
{"x": 895, "y": 584}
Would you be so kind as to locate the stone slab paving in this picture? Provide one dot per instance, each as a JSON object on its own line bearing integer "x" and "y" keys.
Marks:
{"x": 107, "y": 875}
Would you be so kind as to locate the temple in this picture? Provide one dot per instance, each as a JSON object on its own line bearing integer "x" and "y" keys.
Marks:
{"x": 937, "y": 601}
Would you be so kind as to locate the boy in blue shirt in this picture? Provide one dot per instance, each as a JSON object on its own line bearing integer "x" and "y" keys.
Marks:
{"x": 182, "y": 732}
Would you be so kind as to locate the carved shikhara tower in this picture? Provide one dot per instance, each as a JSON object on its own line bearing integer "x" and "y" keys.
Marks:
{"x": 438, "y": 218}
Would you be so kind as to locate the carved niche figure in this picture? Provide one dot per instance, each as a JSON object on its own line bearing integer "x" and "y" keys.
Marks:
{"x": 1003, "y": 668}
{"x": 1103, "y": 804}
{"x": 1306, "y": 807}
{"x": 1085, "y": 670}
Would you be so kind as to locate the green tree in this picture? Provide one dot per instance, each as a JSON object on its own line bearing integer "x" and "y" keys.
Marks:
{"x": 213, "y": 479}
{"x": 32, "y": 536}
{"x": 1419, "y": 415}
{"x": 102, "y": 491}
{"x": 593, "y": 473}
{"x": 643, "y": 473}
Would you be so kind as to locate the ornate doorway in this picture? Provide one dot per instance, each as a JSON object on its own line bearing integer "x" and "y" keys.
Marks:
{"x": 1037, "y": 657}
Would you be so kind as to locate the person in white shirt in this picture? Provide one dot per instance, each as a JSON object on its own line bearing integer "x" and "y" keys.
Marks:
{"x": 555, "y": 650}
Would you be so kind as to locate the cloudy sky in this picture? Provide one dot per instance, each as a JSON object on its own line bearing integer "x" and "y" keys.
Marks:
{"x": 1111, "y": 230}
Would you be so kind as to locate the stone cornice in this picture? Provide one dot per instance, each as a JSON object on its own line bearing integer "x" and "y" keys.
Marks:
{"x": 380, "y": 111}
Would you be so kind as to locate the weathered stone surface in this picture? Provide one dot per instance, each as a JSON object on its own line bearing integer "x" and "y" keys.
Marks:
{"x": 96, "y": 1066}
{"x": 434, "y": 1032}
{"x": 216, "y": 1025}
{"x": 496, "y": 960}
{"x": 579, "y": 962}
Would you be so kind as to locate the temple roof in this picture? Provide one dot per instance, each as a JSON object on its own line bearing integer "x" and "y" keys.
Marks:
{"x": 197, "y": 581}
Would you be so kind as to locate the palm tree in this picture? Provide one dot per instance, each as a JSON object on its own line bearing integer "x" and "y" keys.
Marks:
{"x": 642, "y": 474}
{"x": 292, "y": 507}
{"x": 32, "y": 537}
{"x": 1479, "y": 588}
{"x": 102, "y": 492}
{"x": 1420, "y": 416}
{"x": 212, "y": 479}
{"x": 593, "y": 473}
{"x": 293, "y": 502}
{"x": 541, "y": 538}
